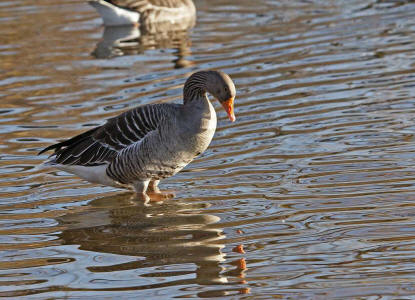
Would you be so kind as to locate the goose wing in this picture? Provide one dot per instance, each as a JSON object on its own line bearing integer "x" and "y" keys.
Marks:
{"x": 100, "y": 145}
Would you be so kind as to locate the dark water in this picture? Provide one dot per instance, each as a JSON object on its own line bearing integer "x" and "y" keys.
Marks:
{"x": 315, "y": 181}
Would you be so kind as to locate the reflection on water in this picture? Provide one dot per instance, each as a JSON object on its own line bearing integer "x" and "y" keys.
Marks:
{"x": 160, "y": 235}
{"x": 130, "y": 40}
{"x": 310, "y": 194}
{"x": 155, "y": 246}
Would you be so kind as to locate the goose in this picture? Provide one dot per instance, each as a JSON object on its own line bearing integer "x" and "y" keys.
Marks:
{"x": 146, "y": 12}
{"x": 148, "y": 143}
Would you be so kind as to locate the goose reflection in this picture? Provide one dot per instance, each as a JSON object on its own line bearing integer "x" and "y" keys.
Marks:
{"x": 131, "y": 39}
{"x": 159, "y": 235}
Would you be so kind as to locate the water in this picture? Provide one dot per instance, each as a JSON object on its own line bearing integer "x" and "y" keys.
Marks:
{"x": 310, "y": 194}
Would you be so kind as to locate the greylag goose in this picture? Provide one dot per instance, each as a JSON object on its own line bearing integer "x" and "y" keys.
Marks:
{"x": 148, "y": 143}
{"x": 146, "y": 12}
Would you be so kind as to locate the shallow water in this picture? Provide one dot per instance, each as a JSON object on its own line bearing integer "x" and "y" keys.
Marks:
{"x": 315, "y": 180}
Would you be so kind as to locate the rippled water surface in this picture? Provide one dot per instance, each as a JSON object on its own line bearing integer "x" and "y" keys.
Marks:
{"x": 309, "y": 194}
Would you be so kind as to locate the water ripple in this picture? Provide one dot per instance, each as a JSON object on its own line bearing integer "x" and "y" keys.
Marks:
{"x": 308, "y": 195}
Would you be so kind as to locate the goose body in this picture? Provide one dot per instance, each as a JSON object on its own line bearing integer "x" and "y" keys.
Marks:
{"x": 146, "y": 12}
{"x": 150, "y": 142}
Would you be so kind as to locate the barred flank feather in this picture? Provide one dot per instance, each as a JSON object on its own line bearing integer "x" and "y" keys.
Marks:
{"x": 101, "y": 144}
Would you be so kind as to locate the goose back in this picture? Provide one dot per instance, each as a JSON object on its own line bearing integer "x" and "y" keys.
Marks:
{"x": 181, "y": 13}
{"x": 143, "y": 5}
{"x": 101, "y": 145}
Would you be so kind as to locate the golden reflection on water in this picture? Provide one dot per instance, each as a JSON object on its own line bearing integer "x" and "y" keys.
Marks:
{"x": 309, "y": 194}
{"x": 169, "y": 242}
{"x": 159, "y": 234}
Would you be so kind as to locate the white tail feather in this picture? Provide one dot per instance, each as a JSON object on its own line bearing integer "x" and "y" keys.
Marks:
{"x": 113, "y": 15}
{"x": 94, "y": 174}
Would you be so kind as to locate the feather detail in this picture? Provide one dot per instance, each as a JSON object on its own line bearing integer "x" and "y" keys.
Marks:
{"x": 101, "y": 144}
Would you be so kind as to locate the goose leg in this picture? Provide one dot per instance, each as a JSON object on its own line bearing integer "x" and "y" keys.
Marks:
{"x": 140, "y": 188}
{"x": 153, "y": 186}
{"x": 155, "y": 192}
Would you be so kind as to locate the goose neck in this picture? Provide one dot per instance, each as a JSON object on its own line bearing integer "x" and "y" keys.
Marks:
{"x": 195, "y": 87}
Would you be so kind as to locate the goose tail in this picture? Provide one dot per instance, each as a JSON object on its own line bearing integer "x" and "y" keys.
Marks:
{"x": 113, "y": 15}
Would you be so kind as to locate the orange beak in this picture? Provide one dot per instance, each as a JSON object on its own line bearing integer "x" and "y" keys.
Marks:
{"x": 228, "y": 106}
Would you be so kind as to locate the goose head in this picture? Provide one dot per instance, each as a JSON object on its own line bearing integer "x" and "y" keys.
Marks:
{"x": 221, "y": 86}
{"x": 216, "y": 83}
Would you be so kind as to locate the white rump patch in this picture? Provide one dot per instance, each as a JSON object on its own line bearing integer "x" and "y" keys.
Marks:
{"x": 94, "y": 174}
{"x": 113, "y": 15}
